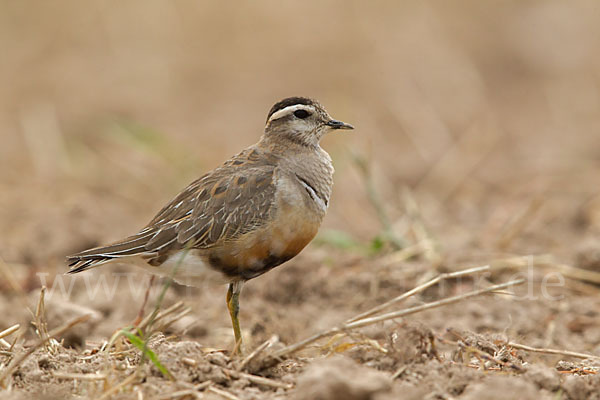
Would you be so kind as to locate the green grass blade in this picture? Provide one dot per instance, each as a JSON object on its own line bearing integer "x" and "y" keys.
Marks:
{"x": 141, "y": 345}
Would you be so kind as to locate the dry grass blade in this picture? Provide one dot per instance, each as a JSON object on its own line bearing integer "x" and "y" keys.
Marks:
{"x": 439, "y": 303}
{"x": 130, "y": 379}
{"x": 154, "y": 318}
{"x": 413, "y": 212}
{"x": 41, "y": 326}
{"x": 80, "y": 377}
{"x": 520, "y": 223}
{"x": 518, "y": 262}
{"x": 139, "y": 336}
{"x": 165, "y": 323}
{"x": 180, "y": 394}
{"x": 12, "y": 281}
{"x": 146, "y": 296}
{"x": 403, "y": 254}
{"x": 10, "y": 278}
{"x": 547, "y": 261}
{"x": 55, "y": 332}
{"x": 553, "y": 351}
{"x": 338, "y": 344}
{"x": 578, "y": 273}
{"x": 392, "y": 315}
{"x": 419, "y": 289}
{"x": 273, "y": 339}
{"x": 259, "y": 380}
{"x": 9, "y": 331}
{"x": 189, "y": 390}
{"x": 223, "y": 393}
{"x": 155, "y": 321}
{"x": 364, "y": 167}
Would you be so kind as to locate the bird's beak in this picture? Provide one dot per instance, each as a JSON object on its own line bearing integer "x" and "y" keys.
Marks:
{"x": 335, "y": 124}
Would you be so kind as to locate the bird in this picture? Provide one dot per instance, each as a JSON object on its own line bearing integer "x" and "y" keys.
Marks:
{"x": 251, "y": 214}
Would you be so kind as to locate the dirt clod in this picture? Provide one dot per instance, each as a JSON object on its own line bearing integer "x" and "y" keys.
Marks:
{"x": 504, "y": 387}
{"x": 340, "y": 378}
{"x": 578, "y": 388}
{"x": 544, "y": 377}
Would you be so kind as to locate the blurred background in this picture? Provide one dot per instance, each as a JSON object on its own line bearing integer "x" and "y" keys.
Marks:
{"x": 478, "y": 114}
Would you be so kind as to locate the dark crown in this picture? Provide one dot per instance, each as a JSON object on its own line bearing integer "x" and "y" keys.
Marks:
{"x": 292, "y": 101}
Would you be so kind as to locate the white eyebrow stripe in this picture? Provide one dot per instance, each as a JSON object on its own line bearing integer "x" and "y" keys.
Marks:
{"x": 291, "y": 109}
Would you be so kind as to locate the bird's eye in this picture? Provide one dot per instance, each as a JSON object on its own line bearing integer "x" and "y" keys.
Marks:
{"x": 301, "y": 114}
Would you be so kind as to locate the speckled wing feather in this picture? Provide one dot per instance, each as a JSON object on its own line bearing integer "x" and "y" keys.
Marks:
{"x": 229, "y": 201}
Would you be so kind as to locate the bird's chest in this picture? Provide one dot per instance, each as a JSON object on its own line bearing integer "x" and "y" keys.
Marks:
{"x": 307, "y": 187}
{"x": 294, "y": 223}
{"x": 265, "y": 248}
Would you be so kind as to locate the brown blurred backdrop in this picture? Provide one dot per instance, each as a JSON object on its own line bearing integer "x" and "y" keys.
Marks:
{"x": 107, "y": 109}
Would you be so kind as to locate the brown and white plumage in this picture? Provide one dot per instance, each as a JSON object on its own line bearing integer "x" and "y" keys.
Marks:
{"x": 219, "y": 207}
{"x": 251, "y": 214}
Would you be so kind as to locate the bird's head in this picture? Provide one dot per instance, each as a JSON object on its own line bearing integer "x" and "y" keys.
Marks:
{"x": 302, "y": 120}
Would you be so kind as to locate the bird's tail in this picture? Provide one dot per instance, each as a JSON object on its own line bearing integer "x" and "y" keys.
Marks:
{"x": 127, "y": 248}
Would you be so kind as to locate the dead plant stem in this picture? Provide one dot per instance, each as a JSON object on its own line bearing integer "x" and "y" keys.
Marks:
{"x": 419, "y": 289}
{"x": 553, "y": 351}
{"x": 392, "y": 315}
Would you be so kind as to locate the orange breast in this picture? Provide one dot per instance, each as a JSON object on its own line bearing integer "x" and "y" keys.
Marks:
{"x": 259, "y": 251}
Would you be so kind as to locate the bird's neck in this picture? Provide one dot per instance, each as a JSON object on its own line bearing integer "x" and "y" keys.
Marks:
{"x": 309, "y": 163}
{"x": 288, "y": 137}
{"x": 287, "y": 144}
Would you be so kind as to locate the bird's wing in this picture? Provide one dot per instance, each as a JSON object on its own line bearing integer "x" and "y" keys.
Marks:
{"x": 229, "y": 201}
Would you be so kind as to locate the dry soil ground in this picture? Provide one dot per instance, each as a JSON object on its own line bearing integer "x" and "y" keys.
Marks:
{"x": 477, "y": 143}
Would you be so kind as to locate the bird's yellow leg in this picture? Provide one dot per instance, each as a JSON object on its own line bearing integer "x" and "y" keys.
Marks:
{"x": 233, "y": 304}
